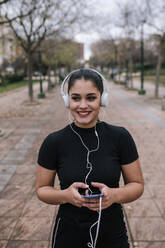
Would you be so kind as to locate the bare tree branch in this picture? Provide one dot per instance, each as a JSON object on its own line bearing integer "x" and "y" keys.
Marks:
{"x": 21, "y": 41}
{"x": 45, "y": 18}
{"x": 6, "y": 18}
{"x": 4, "y": 1}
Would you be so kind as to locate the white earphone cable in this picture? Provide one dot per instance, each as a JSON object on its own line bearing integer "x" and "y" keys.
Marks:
{"x": 89, "y": 166}
{"x": 93, "y": 242}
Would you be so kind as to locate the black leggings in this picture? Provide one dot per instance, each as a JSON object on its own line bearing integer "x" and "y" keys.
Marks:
{"x": 67, "y": 233}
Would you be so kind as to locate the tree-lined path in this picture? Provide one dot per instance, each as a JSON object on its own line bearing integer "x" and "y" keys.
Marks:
{"x": 27, "y": 222}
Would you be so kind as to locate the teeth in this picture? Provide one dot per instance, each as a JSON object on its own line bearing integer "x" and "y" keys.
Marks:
{"x": 83, "y": 113}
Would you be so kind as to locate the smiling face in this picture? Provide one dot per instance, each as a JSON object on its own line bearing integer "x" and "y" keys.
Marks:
{"x": 84, "y": 103}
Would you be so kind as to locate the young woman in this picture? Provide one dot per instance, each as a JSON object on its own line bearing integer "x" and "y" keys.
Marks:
{"x": 89, "y": 156}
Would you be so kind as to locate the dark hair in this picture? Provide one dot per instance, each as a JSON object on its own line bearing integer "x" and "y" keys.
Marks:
{"x": 87, "y": 74}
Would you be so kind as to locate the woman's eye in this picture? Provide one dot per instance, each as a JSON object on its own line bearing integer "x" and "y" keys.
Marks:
{"x": 75, "y": 98}
{"x": 91, "y": 98}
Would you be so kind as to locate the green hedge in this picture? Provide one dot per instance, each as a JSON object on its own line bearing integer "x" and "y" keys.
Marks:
{"x": 12, "y": 78}
{"x": 147, "y": 67}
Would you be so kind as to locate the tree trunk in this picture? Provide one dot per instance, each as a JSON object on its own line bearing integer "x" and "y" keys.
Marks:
{"x": 49, "y": 79}
{"x": 30, "y": 82}
{"x": 119, "y": 77}
{"x": 131, "y": 72}
{"x": 158, "y": 67}
{"x": 120, "y": 70}
{"x": 127, "y": 75}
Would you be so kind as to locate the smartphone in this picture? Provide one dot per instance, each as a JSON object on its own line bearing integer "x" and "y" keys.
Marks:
{"x": 93, "y": 196}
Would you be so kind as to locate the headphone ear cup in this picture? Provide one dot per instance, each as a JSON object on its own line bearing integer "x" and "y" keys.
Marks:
{"x": 66, "y": 100}
{"x": 104, "y": 99}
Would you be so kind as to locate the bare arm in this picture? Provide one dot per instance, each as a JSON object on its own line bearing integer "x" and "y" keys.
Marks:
{"x": 47, "y": 193}
{"x": 44, "y": 187}
{"x": 134, "y": 183}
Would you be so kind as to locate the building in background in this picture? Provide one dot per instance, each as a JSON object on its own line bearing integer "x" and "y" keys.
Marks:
{"x": 9, "y": 48}
{"x": 80, "y": 58}
{"x": 7, "y": 51}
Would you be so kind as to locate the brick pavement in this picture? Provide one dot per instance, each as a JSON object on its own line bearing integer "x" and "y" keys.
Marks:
{"x": 27, "y": 222}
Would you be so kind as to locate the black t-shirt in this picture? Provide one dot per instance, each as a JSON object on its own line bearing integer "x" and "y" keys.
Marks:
{"x": 63, "y": 151}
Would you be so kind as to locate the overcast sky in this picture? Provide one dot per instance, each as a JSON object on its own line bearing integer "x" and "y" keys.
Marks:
{"x": 102, "y": 7}
{"x": 109, "y": 10}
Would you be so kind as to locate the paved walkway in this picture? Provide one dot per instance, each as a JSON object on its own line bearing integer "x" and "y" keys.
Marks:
{"x": 26, "y": 222}
{"x": 149, "y": 87}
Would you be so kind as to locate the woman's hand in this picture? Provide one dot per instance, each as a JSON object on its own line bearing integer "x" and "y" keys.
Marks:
{"x": 107, "y": 199}
{"x": 73, "y": 196}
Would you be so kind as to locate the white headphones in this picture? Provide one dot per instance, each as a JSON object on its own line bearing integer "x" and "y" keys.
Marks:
{"x": 104, "y": 96}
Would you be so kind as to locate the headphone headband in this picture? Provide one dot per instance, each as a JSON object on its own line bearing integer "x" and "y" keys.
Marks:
{"x": 104, "y": 96}
{"x": 64, "y": 81}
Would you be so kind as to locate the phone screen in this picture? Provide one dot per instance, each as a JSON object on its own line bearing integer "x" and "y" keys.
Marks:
{"x": 93, "y": 196}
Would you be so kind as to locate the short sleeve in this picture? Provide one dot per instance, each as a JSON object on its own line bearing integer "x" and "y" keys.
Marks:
{"x": 47, "y": 156}
{"x": 127, "y": 149}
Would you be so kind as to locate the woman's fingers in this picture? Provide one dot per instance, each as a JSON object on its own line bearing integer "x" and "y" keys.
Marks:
{"x": 95, "y": 206}
{"x": 74, "y": 196}
{"x": 80, "y": 185}
{"x": 86, "y": 192}
{"x": 98, "y": 185}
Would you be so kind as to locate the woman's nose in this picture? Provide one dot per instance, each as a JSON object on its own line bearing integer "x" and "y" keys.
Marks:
{"x": 83, "y": 104}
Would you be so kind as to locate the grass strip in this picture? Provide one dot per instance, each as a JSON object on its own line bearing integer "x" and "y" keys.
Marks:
{"x": 152, "y": 79}
{"x": 9, "y": 87}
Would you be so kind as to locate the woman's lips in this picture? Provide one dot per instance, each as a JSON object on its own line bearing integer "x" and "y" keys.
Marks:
{"x": 84, "y": 113}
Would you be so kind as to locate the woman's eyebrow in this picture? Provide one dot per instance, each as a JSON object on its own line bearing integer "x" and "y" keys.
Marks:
{"x": 89, "y": 94}
{"x": 75, "y": 94}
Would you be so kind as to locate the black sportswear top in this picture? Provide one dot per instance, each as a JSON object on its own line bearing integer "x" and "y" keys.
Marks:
{"x": 63, "y": 151}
